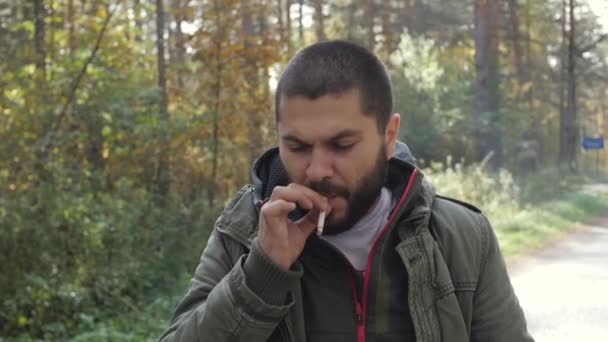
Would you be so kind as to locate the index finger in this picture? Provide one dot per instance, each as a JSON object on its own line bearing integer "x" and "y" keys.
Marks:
{"x": 303, "y": 195}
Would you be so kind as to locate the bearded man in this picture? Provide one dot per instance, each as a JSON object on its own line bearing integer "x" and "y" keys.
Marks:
{"x": 394, "y": 261}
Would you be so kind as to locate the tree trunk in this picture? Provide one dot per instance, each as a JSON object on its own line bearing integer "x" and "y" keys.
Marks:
{"x": 488, "y": 139}
{"x": 280, "y": 20}
{"x": 351, "y": 20}
{"x": 387, "y": 30}
{"x": 407, "y": 18}
{"x": 418, "y": 18}
{"x": 517, "y": 55}
{"x": 39, "y": 33}
{"x": 51, "y": 45}
{"x": 571, "y": 123}
{"x": 528, "y": 60}
{"x": 288, "y": 25}
{"x": 264, "y": 75}
{"x": 95, "y": 142}
{"x": 163, "y": 181}
{"x": 216, "y": 104}
{"x": 301, "y": 20}
{"x": 139, "y": 24}
{"x": 369, "y": 17}
{"x": 71, "y": 29}
{"x": 180, "y": 51}
{"x": 250, "y": 69}
{"x": 563, "y": 116}
{"x": 319, "y": 17}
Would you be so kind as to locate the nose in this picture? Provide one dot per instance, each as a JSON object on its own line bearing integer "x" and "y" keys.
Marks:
{"x": 319, "y": 166}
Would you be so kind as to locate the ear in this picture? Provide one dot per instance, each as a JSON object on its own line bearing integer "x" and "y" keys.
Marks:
{"x": 391, "y": 134}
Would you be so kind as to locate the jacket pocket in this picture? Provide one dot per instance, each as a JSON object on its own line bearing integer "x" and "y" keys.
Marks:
{"x": 282, "y": 333}
{"x": 453, "y": 327}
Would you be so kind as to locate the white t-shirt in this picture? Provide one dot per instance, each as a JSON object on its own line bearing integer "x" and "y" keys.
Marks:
{"x": 356, "y": 242}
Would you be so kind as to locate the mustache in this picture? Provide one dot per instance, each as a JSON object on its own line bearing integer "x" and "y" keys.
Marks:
{"x": 326, "y": 188}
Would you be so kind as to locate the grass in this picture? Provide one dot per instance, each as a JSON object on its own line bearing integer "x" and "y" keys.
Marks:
{"x": 534, "y": 224}
{"x": 525, "y": 211}
{"x": 147, "y": 324}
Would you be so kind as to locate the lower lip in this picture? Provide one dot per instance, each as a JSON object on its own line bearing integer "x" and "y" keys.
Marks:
{"x": 336, "y": 198}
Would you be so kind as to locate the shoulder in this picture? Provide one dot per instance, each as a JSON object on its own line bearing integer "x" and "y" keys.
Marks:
{"x": 457, "y": 217}
{"x": 449, "y": 200}
{"x": 239, "y": 219}
{"x": 462, "y": 233}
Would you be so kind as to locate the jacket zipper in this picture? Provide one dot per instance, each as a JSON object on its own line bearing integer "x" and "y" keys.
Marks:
{"x": 361, "y": 306}
{"x": 358, "y": 309}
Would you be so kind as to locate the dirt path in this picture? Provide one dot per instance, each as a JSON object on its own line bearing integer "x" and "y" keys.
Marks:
{"x": 564, "y": 287}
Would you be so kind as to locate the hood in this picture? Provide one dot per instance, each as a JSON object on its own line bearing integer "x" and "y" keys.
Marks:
{"x": 268, "y": 171}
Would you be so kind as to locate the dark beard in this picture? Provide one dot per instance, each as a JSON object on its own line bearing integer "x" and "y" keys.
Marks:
{"x": 359, "y": 202}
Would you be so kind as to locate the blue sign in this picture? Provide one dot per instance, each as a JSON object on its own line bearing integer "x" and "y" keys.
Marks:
{"x": 593, "y": 143}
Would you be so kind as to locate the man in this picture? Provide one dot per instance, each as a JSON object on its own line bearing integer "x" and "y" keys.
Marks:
{"x": 395, "y": 262}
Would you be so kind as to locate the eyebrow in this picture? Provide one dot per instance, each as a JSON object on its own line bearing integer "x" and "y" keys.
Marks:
{"x": 348, "y": 133}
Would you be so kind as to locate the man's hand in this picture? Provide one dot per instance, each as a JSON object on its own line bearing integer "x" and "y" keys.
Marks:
{"x": 281, "y": 239}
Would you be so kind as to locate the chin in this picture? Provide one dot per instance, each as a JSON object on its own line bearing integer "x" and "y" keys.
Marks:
{"x": 336, "y": 216}
{"x": 335, "y": 220}
{"x": 338, "y": 204}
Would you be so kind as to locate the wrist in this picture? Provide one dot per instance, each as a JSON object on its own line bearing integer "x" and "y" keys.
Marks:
{"x": 266, "y": 278}
{"x": 275, "y": 257}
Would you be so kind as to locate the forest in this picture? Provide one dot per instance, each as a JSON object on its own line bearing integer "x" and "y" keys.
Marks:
{"x": 126, "y": 125}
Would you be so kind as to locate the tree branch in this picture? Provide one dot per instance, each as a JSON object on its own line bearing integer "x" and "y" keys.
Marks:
{"x": 591, "y": 46}
{"x": 83, "y": 70}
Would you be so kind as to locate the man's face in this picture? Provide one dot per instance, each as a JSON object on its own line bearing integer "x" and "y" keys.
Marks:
{"x": 329, "y": 145}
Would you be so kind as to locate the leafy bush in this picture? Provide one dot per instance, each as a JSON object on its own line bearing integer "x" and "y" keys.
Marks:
{"x": 430, "y": 96}
{"x": 144, "y": 325}
{"x": 526, "y": 211}
{"x": 70, "y": 258}
{"x": 549, "y": 183}
{"x": 495, "y": 193}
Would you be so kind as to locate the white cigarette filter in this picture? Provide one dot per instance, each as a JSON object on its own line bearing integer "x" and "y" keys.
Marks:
{"x": 321, "y": 223}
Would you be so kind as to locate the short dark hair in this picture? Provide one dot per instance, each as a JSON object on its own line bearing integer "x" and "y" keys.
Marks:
{"x": 335, "y": 67}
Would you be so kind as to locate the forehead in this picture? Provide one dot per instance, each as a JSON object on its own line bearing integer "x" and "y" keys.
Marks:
{"x": 325, "y": 115}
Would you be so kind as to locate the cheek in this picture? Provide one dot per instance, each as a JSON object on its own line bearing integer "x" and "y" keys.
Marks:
{"x": 295, "y": 167}
{"x": 349, "y": 171}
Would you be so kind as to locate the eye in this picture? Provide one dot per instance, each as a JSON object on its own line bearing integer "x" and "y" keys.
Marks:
{"x": 343, "y": 146}
{"x": 298, "y": 147}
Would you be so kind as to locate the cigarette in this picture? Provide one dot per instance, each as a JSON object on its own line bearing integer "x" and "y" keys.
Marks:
{"x": 321, "y": 223}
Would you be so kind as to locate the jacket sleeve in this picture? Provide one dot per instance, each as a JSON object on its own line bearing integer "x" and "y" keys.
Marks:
{"x": 232, "y": 301}
{"x": 497, "y": 315}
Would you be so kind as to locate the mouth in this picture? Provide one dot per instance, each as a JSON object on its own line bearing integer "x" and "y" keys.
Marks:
{"x": 333, "y": 197}
{"x": 335, "y": 194}
{"x": 329, "y": 190}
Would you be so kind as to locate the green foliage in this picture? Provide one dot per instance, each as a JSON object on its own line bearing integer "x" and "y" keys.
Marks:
{"x": 429, "y": 99}
{"x": 495, "y": 193}
{"x": 96, "y": 252}
{"x": 534, "y": 224}
{"x": 145, "y": 325}
{"x": 526, "y": 211}
{"x": 549, "y": 183}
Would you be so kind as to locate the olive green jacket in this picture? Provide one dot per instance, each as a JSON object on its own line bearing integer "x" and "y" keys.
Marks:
{"x": 458, "y": 288}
